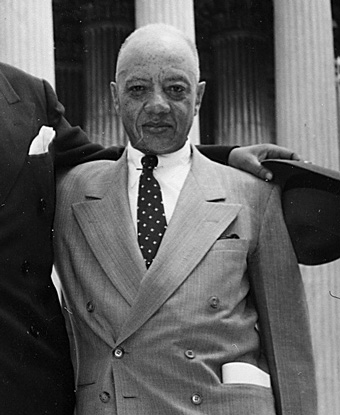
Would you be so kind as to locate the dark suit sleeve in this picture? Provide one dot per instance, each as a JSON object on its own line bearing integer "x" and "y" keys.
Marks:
{"x": 220, "y": 154}
{"x": 71, "y": 145}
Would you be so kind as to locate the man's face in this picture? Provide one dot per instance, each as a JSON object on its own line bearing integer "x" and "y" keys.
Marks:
{"x": 157, "y": 94}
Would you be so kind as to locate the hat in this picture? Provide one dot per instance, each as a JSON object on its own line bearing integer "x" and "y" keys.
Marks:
{"x": 311, "y": 207}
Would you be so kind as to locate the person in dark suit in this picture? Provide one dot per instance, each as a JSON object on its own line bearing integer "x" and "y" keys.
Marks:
{"x": 35, "y": 368}
{"x": 36, "y": 376}
{"x": 182, "y": 290}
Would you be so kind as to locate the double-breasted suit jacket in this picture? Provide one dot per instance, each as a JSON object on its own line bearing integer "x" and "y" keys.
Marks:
{"x": 224, "y": 287}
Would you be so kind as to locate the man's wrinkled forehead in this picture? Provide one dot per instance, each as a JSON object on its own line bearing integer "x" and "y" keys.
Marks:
{"x": 146, "y": 49}
{"x": 151, "y": 67}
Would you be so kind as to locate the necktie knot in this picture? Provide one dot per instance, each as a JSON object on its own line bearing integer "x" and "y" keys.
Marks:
{"x": 149, "y": 162}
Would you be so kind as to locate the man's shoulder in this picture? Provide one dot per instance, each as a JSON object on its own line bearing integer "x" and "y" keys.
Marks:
{"x": 236, "y": 186}
{"x": 86, "y": 173}
{"x": 16, "y": 83}
{"x": 16, "y": 75}
{"x": 88, "y": 179}
{"x": 239, "y": 186}
{"x": 248, "y": 179}
{"x": 255, "y": 195}
{"x": 232, "y": 177}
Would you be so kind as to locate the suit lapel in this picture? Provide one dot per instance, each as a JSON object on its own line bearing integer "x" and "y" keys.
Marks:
{"x": 108, "y": 228}
{"x": 16, "y": 128}
{"x": 199, "y": 219}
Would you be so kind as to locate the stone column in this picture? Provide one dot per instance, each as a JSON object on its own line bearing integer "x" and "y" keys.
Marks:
{"x": 26, "y": 36}
{"x": 178, "y": 13}
{"x": 307, "y": 123}
{"x": 242, "y": 64}
{"x": 242, "y": 113}
{"x": 108, "y": 22}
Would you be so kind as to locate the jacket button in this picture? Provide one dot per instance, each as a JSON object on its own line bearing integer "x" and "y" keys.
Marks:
{"x": 190, "y": 354}
{"x": 42, "y": 205}
{"x": 196, "y": 399}
{"x": 90, "y": 307}
{"x": 34, "y": 331}
{"x": 104, "y": 397}
{"x": 214, "y": 302}
{"x": 25, "y": 267}
{"x": 118, "y": 353}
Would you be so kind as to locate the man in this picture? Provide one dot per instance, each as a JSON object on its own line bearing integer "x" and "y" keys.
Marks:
{"x": 35, "y": 369}
{"x": 194, "y": 305}
{"x": 36, "y": 375}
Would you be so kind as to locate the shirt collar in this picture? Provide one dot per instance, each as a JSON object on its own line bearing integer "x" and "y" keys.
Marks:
{"x": 165, "y": 161}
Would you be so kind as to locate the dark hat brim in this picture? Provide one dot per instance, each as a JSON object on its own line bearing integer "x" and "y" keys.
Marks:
{"x": 311, "y": 206}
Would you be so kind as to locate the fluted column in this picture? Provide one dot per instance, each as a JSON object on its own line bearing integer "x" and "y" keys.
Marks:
{"x": 26, "y": 36}
{"x": 178, "y": 13}
{"x": 108, "y": 22}
{"x": 243, "y": 114}
{"x": 307, "y": 123}
{"x": 242, "y": 68}
{"x": 305, "y": 85}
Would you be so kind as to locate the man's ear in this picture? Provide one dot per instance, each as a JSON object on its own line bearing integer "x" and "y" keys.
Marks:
{"x": 114, "y": 93}
{"x": 199, "y": 95}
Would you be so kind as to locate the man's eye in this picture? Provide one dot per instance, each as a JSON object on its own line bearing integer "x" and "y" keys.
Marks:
{"x": 137, "y": 89}
{"x": 176, "y": 89}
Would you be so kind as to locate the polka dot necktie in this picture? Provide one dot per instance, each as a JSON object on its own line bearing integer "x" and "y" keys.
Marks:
{"x": 151, "y": 222}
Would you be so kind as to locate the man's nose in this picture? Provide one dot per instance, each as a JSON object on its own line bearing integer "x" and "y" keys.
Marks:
{"x": 157, "y": 103}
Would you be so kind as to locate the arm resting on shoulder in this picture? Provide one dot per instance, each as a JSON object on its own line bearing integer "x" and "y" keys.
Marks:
{"x": 71, "y": 145}
{"x": 217, "y": 153}
{"x": 249, "y": 158}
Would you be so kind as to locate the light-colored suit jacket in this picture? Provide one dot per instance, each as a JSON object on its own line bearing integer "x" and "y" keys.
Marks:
{"x": 224, "y": 286}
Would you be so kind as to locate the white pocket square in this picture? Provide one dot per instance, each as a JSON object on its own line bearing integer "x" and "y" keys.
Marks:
{"x": 240, "y": 372}
{"x": 40, "y": 143}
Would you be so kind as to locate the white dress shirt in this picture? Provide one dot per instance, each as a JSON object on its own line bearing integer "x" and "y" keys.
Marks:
{"x": 171, "y": 172}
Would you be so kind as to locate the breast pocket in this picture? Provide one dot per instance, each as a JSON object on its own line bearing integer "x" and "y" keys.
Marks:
{"x": 231, "y": 244}
{"x": 223, "y": 271}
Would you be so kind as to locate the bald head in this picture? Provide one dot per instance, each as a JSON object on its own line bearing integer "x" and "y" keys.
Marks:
{"x": 157, "y": 91}
{"x": 161, "y": 36}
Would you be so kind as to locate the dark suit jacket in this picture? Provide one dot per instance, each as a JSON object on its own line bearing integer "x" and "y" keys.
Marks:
{"x": 35, "y": 369}
{"x": 36, "y": 376}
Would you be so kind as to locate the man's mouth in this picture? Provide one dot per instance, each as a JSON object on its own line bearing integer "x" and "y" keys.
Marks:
{"x": 156, "y": 128}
